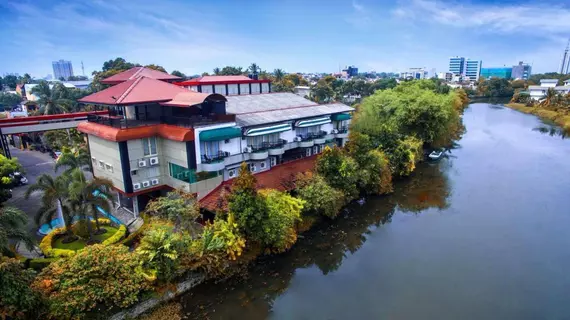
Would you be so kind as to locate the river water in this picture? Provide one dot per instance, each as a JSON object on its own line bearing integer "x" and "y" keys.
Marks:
{"x": 482, "y": 234}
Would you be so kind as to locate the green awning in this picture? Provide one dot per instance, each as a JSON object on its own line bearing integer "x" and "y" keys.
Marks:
{"x": 312, "y": 122}
{"x": 340, "y": 116}
{"x": 259, "y": 131}
{"x": 220, "y": 134}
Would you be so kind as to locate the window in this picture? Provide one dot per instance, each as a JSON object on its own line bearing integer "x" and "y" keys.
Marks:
{"x": 149, "y": 146}
{"x": 210, "y": 148}
{"x": 101, "y": 164}
{"x": 258, "y": 141}
{"x": 315, "y": 149}
{"x": 252, "y": 167}
{"x": 108, "y": 167}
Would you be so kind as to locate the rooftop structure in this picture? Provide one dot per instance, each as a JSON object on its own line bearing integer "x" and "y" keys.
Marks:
{"x": 227, "y": 85}
{"x": 138, "y": 72}
{"x": 499, "y": 73}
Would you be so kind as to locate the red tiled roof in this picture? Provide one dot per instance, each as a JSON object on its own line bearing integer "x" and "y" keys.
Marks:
{"x": 219, "y": 80}
{"x": 276, "y": 178}
{"x": 134, "y": 91}
{"x": 166, "y": 131}
{"x": 190, "y": 98}
{"x": 137, "y": 72}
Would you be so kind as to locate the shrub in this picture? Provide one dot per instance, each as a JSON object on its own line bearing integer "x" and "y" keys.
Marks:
{"x": 98, "y": 274}
{"x": 402, "y": 160}
{"x": 159, "y": 249}
{"x": 228, "y": 231}
{"x": 49, "y": 251}
{"x": 17, "y": 300}
{"x": 319, "y": 197}
{"x": 179, "y": 207}
{"x": 206, "y": 254}
{"x": 283, "y": 211}
{"x": 339, "y": 170}
{"x": 40, "y": 263}
{"x": 117, "y": 236}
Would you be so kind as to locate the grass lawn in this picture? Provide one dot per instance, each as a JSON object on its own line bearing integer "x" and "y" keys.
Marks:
{"x": 80, "y": 244}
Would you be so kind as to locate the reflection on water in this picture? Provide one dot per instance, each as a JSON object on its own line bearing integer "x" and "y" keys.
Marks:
{"x": 551, "y": 130}
{"x": 325, "y": 247}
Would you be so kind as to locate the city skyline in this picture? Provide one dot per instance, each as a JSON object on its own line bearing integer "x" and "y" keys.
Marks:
{"x": 295, "y": 40}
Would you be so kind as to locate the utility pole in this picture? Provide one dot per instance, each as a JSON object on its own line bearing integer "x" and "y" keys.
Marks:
{"x": 564, "y": 62}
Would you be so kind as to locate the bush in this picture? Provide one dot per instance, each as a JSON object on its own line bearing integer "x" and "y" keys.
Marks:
{"x": 98, "y": 274}
{"x": 17, "y": 300}
{"x": 40, "y": 263}
{"x": 179, "y": 207}
{"x": 160, "y": 249}
{"x": 48, "y": 250}
{"x": 117, "y": 236}
{"x": 402, "y": 160}
{"x": 339, "y": 170}
{"x": 228, "y": 232}
{"x": 319, "y": 197}
{"x": 283, "y": 212}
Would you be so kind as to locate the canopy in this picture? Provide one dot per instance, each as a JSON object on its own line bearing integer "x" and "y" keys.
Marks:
{"x": 267, "y": 130}
{"x": 220, "y": 134}
{"x": 340, "y": 116}
{"x": 312, "y": 122}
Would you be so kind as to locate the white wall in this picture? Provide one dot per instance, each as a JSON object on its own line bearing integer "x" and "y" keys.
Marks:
{"x": 254, "y": 88}
{"x": 288, "y": 135}
{"x": 327, "y": 127}
{"x": 108, "y": 152}
{"x": 207, "y": 88}
{"x": 221, "y": 89}
{"x": 265, "y": 87}
{"x": 197, "y": 138}
{"x": 232, "y": 89}
{"x": 244, "y": 88}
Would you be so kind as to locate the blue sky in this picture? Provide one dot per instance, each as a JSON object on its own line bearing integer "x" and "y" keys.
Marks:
{"x": 297, "y": 36}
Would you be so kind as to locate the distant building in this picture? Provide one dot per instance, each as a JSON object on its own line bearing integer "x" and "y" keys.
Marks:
{"x": 473, "y": 69}
{"x": 27, "y": 88}
{"x": 539, "y": 92}
{"x": 447, "y": 76}
{"x": 414, "y": 73}
{"x": 521, "y": 71}
{"x": 349, "y": 72}
{"x": 62, "y": 69}
{"x": 303, "y": 91}
{"x": 457, "y": 65}
{"x": 500, "y": 73}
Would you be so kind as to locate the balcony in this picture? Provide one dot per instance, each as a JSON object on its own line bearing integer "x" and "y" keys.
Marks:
{"x": 342, "y": 133}
{"x": 119, "y": 122}
{"x": 277, "y": 148}
{"x": 214, "y": 162}
{"x": 259, "y": 151}
{"x": 320, "y": 137}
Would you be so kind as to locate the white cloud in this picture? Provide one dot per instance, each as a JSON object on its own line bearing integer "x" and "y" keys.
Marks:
{"x": 359, "y": 17}
{"x": 539, "y": 18}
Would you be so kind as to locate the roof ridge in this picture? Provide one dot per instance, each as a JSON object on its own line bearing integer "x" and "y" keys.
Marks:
{"x": 129, "y": 89}
{"x": 137, "y": 72}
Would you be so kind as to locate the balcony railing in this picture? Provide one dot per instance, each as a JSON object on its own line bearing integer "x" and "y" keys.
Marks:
{"x": 312, "y": 135}
{"x": 213, "y": 158}
{"x": 342, "y": 130}
{"x": 268, "y": 145}
{"x": 189, "y": 122}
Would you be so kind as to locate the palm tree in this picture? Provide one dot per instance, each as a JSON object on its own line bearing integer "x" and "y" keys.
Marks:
{"x": 279, "y": 74}
{"x": 254, "y": 68}
{"x": 13, "y": 227}
{"x": 52, "y": 100}
{"x": 80, "y": 159}
{"x": 53, "y": 202}
{"x": 216, "y": 71}
{"x": 549, "y": 99}
{"x": 87, "y": 197}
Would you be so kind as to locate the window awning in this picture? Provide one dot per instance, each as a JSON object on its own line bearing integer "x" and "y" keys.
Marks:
{"x": 341, "y": 116}
{"x": 267, "y": 130}
{"x": 312, "y": 122}
{"x": 220, "y": 134}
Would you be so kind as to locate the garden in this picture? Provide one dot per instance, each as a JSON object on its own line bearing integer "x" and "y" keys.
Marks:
{"x": 98, "y": 273}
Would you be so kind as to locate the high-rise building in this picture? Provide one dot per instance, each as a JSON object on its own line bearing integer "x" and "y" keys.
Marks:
{"x": 521, "y": 71}
{"x": 457, "y": 65}
{"x": 500, "y": 73}
{"x": 349, "y": 72}
{"x": 472, "y": 69}
{"x": 414, "y": 73}
{"x": 62, "y": 69}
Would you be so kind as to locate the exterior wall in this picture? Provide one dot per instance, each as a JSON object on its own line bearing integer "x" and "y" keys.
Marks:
{"x": 244, "y": 88}
{"x": 108, "y": 152}
{"x": 221, "y": 89}
{"x": 197, "y": 139}
{"x": 149, "y": 172}
{"x": 254, "y": 88}
{"x": 207, "y": 88}
{"x": 233, "y": 89}
{"x": 265, "y": 87}
{"x": 288, "y": 135}
{"x": 193, "y": 88}
{"x": 327, "y": 127}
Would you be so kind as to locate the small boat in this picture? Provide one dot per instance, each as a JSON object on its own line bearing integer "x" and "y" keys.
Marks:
{"x": 435, "y": 154}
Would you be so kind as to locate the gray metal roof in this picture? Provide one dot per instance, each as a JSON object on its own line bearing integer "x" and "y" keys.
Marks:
{"x": 293, "y": 113}
{"x": 262, "y": 102}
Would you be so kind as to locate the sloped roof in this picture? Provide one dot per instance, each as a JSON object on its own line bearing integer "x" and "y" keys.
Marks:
{"x": 138, "y": 72}
{"x": 139, "y": 90}
{"x": 220, "y": 80}
{"x": 288, "y": 114}
{"x": 190, "y": 98}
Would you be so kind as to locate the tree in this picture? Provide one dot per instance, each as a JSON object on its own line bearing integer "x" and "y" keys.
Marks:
{"x": 87, "y": 197}
{"x": 230, "y": 71}
{"x": 178, "y": 74}
{"x": 110, "y": 68}
{"x": 495, "y": 87}
{"x": 179, "y": 207}
{"x": 283, "y": 86}
{"x": 319, "y": 197}
{"x": 10, "y": 81}
{"x": 283, "y": 212}
{"x": 13, "y": 226}
{"x": 76, "y": 78}
{"x": 160, "y": 249}
{"x": 74, "y": 160}
{"x": 156, "y": 67}
{"x": 52, "y": 100}
{"x": 17, "y": 299}
{"x": 10, "y": 99}
{"x": 26, "y": 78}
{"x": 216, "y": 71}
{"x": 7, "y": 168}
{"x": 53, "y": 202}
{"x": 94, "y": 276}
{"x": 339, "y": 170}
{"x": 550, "y": 99}
{"x": 279, "y": 74}
{"x": 322, "y": 92}
{"x": 254, "y": 68}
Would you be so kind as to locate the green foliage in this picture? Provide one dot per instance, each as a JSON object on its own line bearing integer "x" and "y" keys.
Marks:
{"x": 8, "y": 100}
{"x": 535, "y": 78}
{"x": 379, "y": 174}
{"x": 156, "y": 67}
{"x": 60, "y": 139}
{"x": 319, "y": 197}
{"x": 7, "y": 167}
{"x": 179, "y": 207}
{"x": 159, "y": 249}
{"x": 339, "y": 170}
{"x": 17, "y": 299}
{"x": 178, "y": 74}
{"x": 117, "y": 236}
{"x": 495, "y": 87}
{"x": 228, "y": 231}
{"x": 52, "y": 100}
{"x": 207, "y": 254}
{"x": 283, "y": 211}
{"x": 402, "y": 159}
{"x": 107, "y": 275}
{"x": 13, "y": 226}
{"x": 40, "y": 263}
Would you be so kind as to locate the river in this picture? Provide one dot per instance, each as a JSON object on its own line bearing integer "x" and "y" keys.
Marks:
{"x": 482, "y": 234}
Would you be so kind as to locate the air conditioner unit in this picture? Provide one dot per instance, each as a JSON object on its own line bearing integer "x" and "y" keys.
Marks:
{"x": 247, "y": 150}
{"x": 153, "y": 161}
{"x": 136, "y": 186}
{"x": 334, "y": 131}
{"x": 142, "y": 163}
{"x": 154, "y": 182}
{"x": 297, "y": 139}
{"x": 146, "y": 184}
{"x": 231, "y": 173}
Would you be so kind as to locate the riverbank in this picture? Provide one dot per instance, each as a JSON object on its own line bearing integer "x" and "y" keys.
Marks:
{"x": 560, "y": 117}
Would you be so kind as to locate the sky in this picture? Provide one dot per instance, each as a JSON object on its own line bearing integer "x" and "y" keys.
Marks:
{"x": 296, "y": 36}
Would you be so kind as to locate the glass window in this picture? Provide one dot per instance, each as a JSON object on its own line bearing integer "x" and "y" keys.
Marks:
{"x": 149, "y": 146}
{"x": 259, "y": 140}
{"x": 210, "y": 148}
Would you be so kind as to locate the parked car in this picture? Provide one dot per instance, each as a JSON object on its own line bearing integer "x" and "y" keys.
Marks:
{"x": 18, "y": 179}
